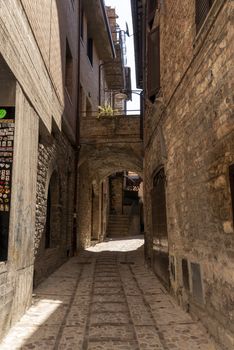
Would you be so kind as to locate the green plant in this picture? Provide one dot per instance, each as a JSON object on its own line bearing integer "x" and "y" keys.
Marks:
{"x": 106, "y": 111}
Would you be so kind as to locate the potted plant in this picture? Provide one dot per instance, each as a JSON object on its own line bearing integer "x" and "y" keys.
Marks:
{"x": 106, "y": 111}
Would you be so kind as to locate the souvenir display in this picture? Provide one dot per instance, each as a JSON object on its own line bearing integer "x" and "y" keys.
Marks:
{"x": 7, "y": 127}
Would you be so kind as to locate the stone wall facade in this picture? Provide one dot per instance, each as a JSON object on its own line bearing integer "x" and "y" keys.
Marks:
{"x": 189, "y": 133}
{"x": 34, "y": 62}
{"x": 56, "y": 158}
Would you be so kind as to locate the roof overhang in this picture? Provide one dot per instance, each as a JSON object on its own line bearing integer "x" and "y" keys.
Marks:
{"x": 137, "y": 19}
{"x": 99, "y": 28}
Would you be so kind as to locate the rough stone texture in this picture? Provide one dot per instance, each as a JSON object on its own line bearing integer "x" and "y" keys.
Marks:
{"x": 16, "y": 273}
{"x": 121, "y": 128}
{"x": 24, "y": 35}
{"x": 32, "y": 70}
{"x": 191, "y": 133}
{"x": 58, "y": 157}
{"x": 106, "y": 298}
{"x": 108, "y": 145}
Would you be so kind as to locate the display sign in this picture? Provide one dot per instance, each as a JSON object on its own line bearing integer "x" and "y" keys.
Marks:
{"x": 7, "y": 128}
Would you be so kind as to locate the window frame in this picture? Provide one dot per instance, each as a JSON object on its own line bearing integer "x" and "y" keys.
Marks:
{"x": 90, "y": 50}
{"x": 202, "y": 9}
{"x": 153, "y": 80}
{"x": 68, "y": 70}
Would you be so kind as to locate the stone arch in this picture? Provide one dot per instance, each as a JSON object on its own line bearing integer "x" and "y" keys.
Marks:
{"x": 53, "y": 217}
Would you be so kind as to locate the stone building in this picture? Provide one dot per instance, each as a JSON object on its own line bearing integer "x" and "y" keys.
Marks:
{"x": 187, "y": 50}
{"x": 39, "y": 133}
{"x": 57, "y": 62}
{"x": 108, "y": 144}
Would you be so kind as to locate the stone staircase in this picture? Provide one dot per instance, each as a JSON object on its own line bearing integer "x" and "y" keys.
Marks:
{"x": 118, "y": 226}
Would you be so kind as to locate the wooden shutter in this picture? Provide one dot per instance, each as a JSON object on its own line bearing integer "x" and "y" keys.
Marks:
{"x": 153, "y": 76}
{"x": 202, "y": 9}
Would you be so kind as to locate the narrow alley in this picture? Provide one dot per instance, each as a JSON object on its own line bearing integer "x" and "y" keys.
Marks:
{"x": 116, "y": 175}
{"x": 106, "y": 298}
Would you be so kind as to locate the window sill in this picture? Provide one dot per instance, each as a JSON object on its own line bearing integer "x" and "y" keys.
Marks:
{"x": 207, "y": 24}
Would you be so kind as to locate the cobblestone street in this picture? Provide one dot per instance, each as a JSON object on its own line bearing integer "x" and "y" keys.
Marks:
{"x": 106, "y": 298}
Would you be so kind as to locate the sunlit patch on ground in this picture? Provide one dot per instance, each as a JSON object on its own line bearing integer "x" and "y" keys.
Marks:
{"x": 37, "y": 316}
{"x": 119, "y": 245}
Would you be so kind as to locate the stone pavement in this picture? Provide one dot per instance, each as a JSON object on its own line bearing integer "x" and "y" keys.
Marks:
{"x": 106, "y": 299}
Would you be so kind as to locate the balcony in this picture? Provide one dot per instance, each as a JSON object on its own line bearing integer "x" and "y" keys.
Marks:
{"x": 117, "y": 129}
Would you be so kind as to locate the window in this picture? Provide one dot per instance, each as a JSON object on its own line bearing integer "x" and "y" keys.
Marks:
{"x": 159, "y": 206}
{"x": 90, "y": 50}
{"x": 152, "y": 7}
{"x": 73, "y": 4}
{"x": 69, "y": 70}
{"x": 82, "y": 23}
{"x": 197, "y": 283}
{"x": 202, "y": 9}
{"x": 153, "y": 76}
{"x": 231, "y": 177}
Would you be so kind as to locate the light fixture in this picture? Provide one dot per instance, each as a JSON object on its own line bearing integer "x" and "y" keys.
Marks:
{"x": 121, "y": 96}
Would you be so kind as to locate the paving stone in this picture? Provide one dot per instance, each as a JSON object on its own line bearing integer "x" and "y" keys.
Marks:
{"x": 115, "y": 345}
{"x": 108, "y": 291}
{"x": 110, "y": 317}
{"x": 112, "y": 307}
{"x": 72, "y": 338}
{"x": 93, "y": 302}
{"x": 31, "y": 337}
{"x": 115, "y": 298}
{"x": 184, "y": 337}
{"x": 123, "y": 332}
{"x": 148, "y": 338}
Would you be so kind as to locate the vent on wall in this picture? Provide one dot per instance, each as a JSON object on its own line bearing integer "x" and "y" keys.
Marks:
{"x": 197, "y": 283}
{"x": 202, "y": 9}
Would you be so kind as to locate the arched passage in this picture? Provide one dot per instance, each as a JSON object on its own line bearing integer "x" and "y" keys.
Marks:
{"x": 94, "y": 184}
{"x": 53, "y": 218}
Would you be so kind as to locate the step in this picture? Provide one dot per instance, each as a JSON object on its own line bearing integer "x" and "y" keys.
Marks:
{"x": 122, "y": 226}
{"x": 117, "y": 229}
{"x": 119, "y": 222}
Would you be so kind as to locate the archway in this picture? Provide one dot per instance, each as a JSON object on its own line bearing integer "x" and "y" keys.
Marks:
{"x": 125, "y": 214}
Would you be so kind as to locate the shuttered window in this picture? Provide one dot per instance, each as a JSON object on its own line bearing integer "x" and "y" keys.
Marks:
{"x": 202, "y": 9}
{"x": 153, "y": 75}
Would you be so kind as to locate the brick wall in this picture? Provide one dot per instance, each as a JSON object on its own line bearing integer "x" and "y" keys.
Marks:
{"x": 33, "y": 39}
{"x": 191, "y": 131}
